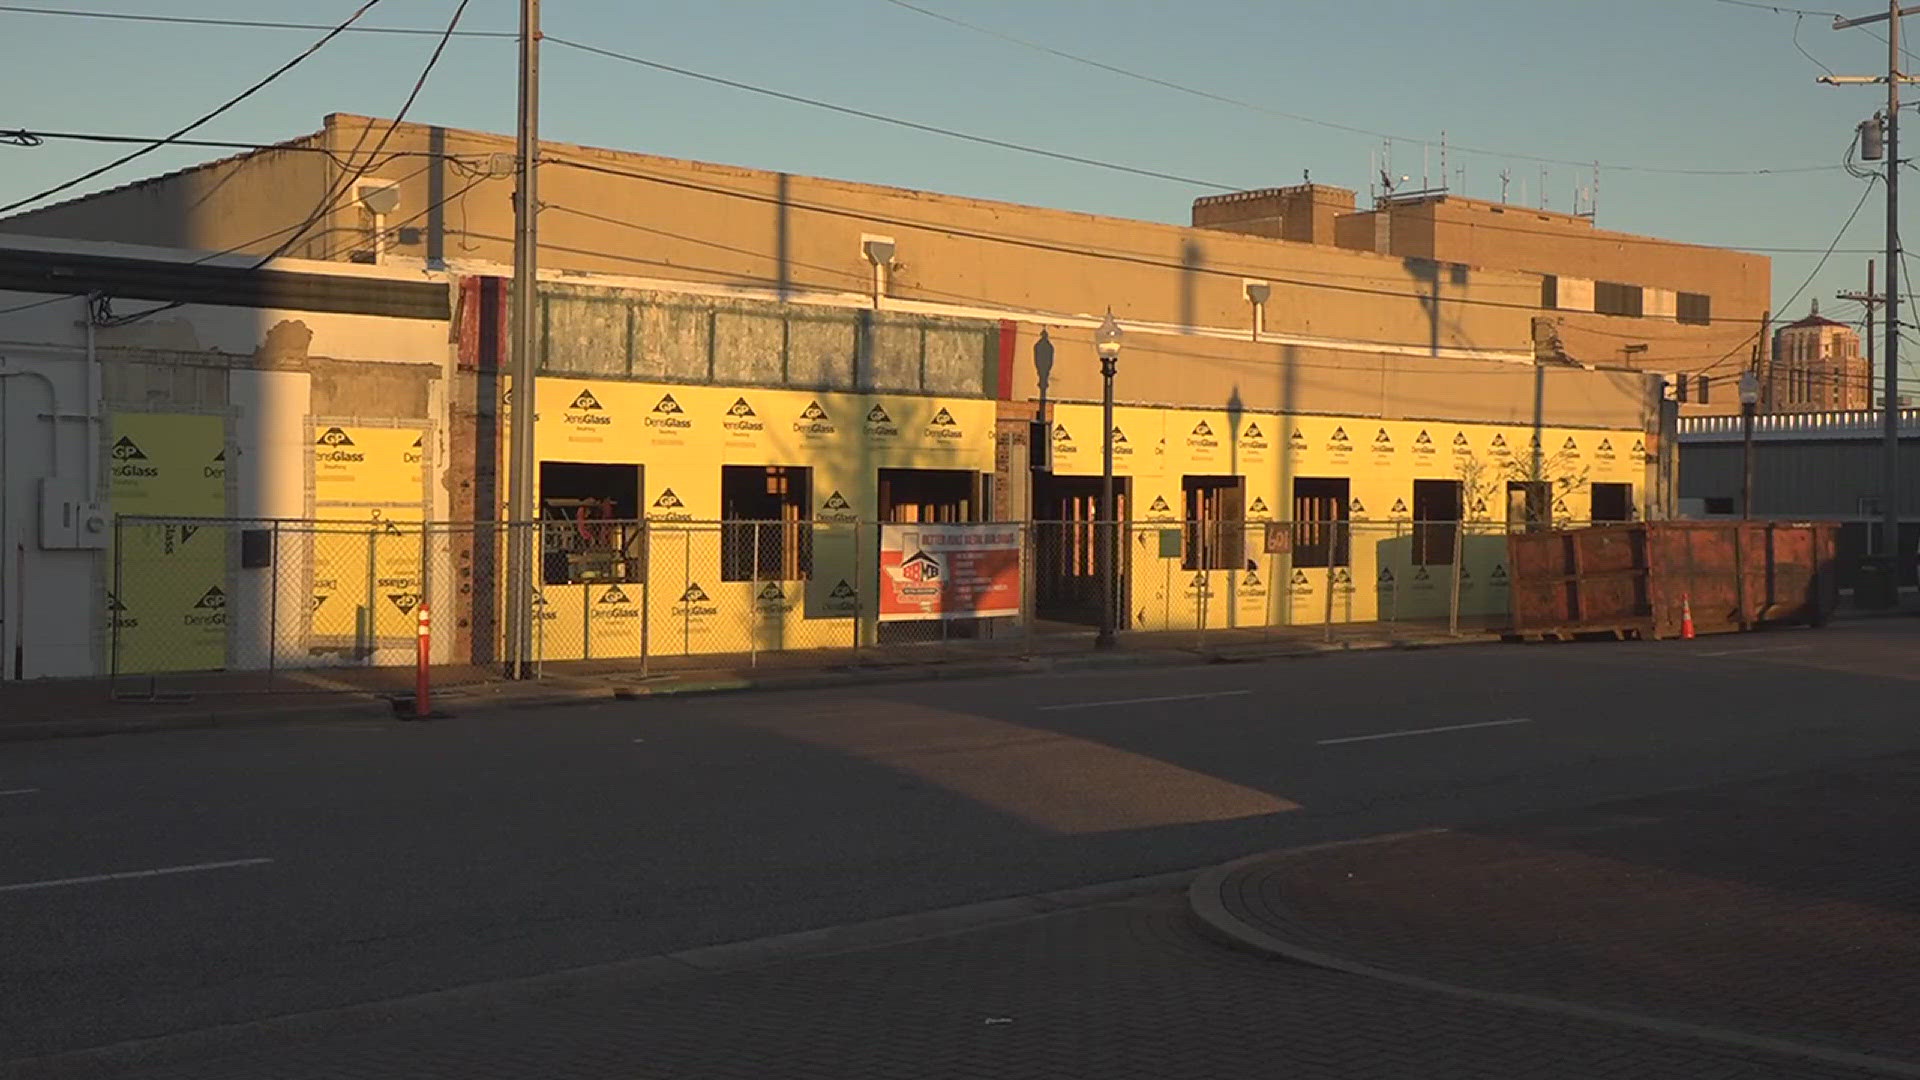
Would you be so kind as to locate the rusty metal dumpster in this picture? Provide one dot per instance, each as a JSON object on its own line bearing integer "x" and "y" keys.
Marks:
{"x": 1631, "y": 578}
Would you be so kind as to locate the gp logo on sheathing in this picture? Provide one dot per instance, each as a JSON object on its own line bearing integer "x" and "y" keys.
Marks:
{"x": 1258, "y": 506}
{"x": 741, "y": 417}
{"x": 667, "y": 413}
{"x": 128, "y": 454}
{"x": 405, "y": 601}
{"x": 943, "y": 425}
{"x": 585, "y": 400}
{"x": 669, "y": 507}
{"x": 695, "y": 601}
{"x": 837, "y": 501}
{"x": 814, "y": 421}
{"x": 333, "y": 436}
{"x": 842, "y": 591}
{"x": 615, "y": 595}
{"x": 878, "y": 415}
{"x": 209, "y": 610}
{"x": 943, "y": 418}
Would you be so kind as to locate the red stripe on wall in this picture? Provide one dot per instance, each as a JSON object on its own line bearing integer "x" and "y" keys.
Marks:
{"x": 1008, "y": 332}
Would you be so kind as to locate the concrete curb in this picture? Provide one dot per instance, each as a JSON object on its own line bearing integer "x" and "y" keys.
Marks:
{"x": 150, "y": 1053}
{"x": 1210, "y": 913}
{"x": 483, "y": 699}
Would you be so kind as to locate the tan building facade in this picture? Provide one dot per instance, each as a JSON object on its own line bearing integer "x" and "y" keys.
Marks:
{"x": 1694, "y": 314}
{"x": 1816, "y": 367}
{"x": 730, "y": 353}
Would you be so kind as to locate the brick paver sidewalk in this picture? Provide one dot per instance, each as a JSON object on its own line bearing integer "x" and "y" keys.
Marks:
{"x": 1116, "y": 991}
{"x": 1786, "y": 908}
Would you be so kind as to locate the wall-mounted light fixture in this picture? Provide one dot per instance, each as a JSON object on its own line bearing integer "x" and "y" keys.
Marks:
{"x": 1257, "y": 294}
{"x": 879, "y": 252}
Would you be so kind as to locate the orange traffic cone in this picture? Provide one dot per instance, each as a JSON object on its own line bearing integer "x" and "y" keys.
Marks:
{"x": 1686, "y": 617}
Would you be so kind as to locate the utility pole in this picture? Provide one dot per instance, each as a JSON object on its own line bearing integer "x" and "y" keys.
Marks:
{"x": 522, "y": 532}
{"x": 1868, "y": 299}
{"x": 1890, "y": 414}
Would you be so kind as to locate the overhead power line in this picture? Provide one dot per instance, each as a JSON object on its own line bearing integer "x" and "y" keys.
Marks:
{"x": 1817, "y": 267}
{"x": 1210, "y": 95}
{"x": 243, "y": 95}
{"x": 1036, "y": 243}
{"x": 912, "y": 125}
{"x": 249, "y": 24}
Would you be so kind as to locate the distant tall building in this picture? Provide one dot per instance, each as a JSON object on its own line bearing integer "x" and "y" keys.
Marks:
{"x": 1816, "y": 367}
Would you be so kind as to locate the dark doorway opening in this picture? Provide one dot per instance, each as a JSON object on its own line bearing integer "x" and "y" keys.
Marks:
{"x": 1612, "y": 502}
{"x": 1066, "y": 547}
{"x": 935, "y": 495}
{"x": 587, "y": 515}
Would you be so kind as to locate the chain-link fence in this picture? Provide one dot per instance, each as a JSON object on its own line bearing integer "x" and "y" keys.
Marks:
{"x": 302, "y": 602}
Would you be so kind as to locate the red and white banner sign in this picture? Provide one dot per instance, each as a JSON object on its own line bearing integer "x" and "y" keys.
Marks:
{"x": 949, "y": 572}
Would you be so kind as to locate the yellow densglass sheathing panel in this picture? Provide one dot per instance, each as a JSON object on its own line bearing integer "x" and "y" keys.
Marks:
{"x": 682, "y": 437}
{"x": 169, "y": 611}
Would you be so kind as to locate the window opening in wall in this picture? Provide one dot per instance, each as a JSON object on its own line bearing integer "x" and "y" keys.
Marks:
{"x": 1066, "y": 545}
{"x": 1613, "y": 298}
{"x": 1320, "y": 534}
{"x": 1680, "y": 388}
{"x": 932, "y": 495}
{"x": 1719, "y": 504}
{"x": 1706, "y": 381}
{"x": 1215, "y": 535}
{"x": 588, "y": 514}
{"x": 1529, "y": 505}
{"x": 1436, "y": 517}
{"x": 1549, "y": 291}
{"x": 1694, "y": 309}
{"x": 1612, "y": 502}
{"x": 765, "y": 532}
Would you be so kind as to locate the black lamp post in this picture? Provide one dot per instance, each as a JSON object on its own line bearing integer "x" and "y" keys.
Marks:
{"x": 1749, "y": 400}
{"x": 1107, "y": 342}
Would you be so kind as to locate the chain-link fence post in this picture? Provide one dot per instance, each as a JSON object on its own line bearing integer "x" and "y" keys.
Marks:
{"x": 1393, "y": 594}
{"x": 273, "y": 601}
{"x": 646, "y": 597}
{"x": 1029, "y": 588}
{"x": 753, "y": 591}
{"x": 115, "y": 612}
{"x": 1459, "y": 560}
{"x": 1333, "y": 552}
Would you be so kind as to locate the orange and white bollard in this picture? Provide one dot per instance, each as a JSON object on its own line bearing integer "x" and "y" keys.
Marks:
{"x": 420, "y": 680}
{"x": 1686, "y": 618}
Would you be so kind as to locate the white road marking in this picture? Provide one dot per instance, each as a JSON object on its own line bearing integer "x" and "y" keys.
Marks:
{"x": 21, "y": 791}
{"x": 1145, "y": 700}
{"x": 127, "y": 875}
{"x": 1767, "y": 649}
{"x": 1422, "y": 731}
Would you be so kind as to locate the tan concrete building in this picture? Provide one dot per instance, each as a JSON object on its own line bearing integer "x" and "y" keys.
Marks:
{"x": 723, "y": 348}
{"x": 1605, "y": 298}
{"x": 1816, "y": 367}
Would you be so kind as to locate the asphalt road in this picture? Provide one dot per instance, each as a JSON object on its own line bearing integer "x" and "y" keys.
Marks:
{"x": 154, "y": 884}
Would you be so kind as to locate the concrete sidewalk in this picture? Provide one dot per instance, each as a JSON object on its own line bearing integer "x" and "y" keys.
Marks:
{"x": 1782, "y": 912}
{"x": 57, "y": 708}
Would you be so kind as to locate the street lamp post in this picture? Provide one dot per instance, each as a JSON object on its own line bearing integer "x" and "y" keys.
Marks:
{"x": 1107, "y": 342}
{"x": 1749, "y": 399}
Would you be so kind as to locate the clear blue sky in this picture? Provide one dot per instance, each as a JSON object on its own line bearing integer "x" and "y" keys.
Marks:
{"x": 1673, "y": 83}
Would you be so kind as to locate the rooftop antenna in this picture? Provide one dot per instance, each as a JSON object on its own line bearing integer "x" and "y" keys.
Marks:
{"x": 1593, "y": 194}
{"x": 1444, "y": 174}
{"x": 1426, "y": 175}
{"x": 1543, "y": 187}
{"x": 1506, "y": 177}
